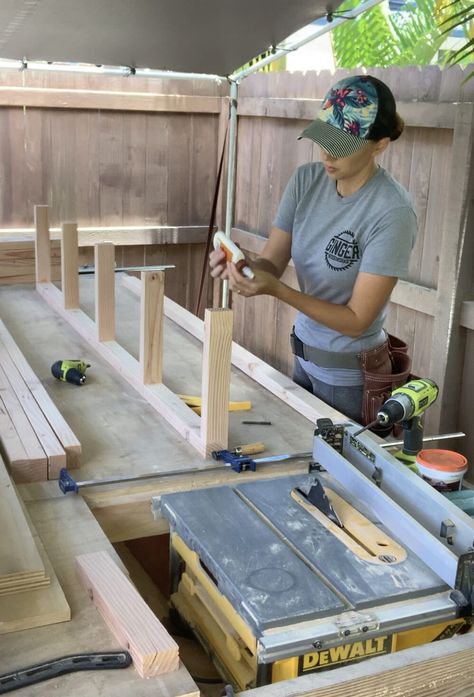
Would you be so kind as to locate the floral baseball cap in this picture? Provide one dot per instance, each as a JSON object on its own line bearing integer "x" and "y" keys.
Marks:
{"x": 348, "y": 112}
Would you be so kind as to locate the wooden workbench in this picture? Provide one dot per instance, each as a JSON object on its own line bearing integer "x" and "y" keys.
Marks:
{"x": 121, "y": 434}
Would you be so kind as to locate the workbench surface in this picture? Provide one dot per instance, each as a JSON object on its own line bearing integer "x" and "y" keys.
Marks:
{"x": 120, "y": 434}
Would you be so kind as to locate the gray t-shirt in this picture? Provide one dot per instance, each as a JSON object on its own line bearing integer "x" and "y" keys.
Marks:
{"x": 335, "y": 237}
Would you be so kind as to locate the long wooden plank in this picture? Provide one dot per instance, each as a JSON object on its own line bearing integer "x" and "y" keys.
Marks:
{"x": 112, "y": 101}
{"x": 12, "y": 449}
{"x": 125, "y": 235}
{"x": 49, "y": 442}
{"x": 422, "y": 114}
{"x": 19, "y": 555}
{"x": 66, "y": 436}
{"x": 38, "y": 462}
{"x": 153, "y": 650}
{"x": 280, "y": 385}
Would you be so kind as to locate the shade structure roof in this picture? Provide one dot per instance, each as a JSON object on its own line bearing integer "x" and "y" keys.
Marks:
{"x": 194, "y": 36}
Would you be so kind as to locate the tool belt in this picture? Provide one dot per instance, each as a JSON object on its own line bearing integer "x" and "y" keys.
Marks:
{"x": 384, "y": 368}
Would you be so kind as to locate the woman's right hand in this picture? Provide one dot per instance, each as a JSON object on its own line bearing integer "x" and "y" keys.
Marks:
{"x": 218, "y": 264}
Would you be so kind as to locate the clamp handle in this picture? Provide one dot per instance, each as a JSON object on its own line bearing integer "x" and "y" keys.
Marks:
{"x": 66, "y": 482}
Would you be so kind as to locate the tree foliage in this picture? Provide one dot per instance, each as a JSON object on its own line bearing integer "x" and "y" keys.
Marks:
{"x": 411, "y": 36}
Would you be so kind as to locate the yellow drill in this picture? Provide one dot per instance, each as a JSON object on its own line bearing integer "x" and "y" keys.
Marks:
{"x": 72, "y": 370}
{"x": 405, "y": 405}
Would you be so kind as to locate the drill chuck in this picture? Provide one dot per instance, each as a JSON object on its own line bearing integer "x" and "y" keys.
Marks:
{"x": 395, "y": 409}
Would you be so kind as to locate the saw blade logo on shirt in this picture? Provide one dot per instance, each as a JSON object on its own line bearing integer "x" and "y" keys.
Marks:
{"x": 342, "y": 251}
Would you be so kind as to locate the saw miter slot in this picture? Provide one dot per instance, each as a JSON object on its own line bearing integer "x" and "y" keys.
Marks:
{"x": 356, "y": 532}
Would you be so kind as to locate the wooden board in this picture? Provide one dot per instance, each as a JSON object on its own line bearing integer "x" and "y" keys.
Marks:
{"x": 19, "y": 556}
{"x": 38, "y": 462}
{"x": 67, "y": 438}
{"x": 130, "y": 619}
{"x": 53, "y": 449}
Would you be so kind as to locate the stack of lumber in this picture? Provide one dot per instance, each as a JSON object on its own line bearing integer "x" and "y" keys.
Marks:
{"x": 132, "y": 622}
{"x": 36, "y": 442}
{"x": 30, "y": 595}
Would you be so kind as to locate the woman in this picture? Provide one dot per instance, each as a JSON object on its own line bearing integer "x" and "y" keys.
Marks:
{"x": 349, "y": 228}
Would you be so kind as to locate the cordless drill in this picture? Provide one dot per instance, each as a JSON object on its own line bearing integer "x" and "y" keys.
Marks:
{"x": 405, "y": 405}
{"x": 73, "y": 371}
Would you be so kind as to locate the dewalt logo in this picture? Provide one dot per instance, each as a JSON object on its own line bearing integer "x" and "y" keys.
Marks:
{"x": 346, "y": 653}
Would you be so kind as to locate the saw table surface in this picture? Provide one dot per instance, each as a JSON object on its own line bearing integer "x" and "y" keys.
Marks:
{"x": 277, "y": 564}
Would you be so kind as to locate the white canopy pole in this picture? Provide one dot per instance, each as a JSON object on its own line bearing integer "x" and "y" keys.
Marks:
{"x": 231, "y": 170}
{"x": 292, "y": 46}
{"x": 90, "y": 69}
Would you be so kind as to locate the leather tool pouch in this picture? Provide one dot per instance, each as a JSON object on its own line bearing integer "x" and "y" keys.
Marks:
{"x": 384, "y": 368}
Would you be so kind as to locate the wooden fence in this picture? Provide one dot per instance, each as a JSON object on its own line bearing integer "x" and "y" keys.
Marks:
{"x": 133, "y": 152}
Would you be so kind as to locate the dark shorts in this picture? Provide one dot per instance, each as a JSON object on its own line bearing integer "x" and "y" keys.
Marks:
{"x": 347, "y": 400}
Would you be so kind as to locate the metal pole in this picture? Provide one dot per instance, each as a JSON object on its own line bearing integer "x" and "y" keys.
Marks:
{"x": 231, "y": 167}
{"x": 121, "y": 71}
{"x": 292, "y": 46}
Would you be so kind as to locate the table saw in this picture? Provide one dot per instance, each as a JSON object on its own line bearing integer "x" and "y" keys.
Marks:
{"x": 275, "y": 588}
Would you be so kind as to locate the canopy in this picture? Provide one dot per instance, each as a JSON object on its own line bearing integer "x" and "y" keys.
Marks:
{"x": 194, "y": 36}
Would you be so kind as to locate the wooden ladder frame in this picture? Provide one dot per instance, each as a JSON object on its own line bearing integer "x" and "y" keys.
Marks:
{"x": 205, "y": 433}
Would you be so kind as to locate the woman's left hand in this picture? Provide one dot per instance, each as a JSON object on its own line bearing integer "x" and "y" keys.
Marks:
{"x": 264, "y": 283}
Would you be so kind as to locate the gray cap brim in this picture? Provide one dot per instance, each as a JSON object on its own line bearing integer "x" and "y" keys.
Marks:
{"x": 334, "y": 140}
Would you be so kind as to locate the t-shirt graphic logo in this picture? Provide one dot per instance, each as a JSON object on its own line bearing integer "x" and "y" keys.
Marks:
{"x": 342, "y": 251}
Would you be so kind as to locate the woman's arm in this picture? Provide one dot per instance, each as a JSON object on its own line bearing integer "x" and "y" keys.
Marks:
{"x": 371, "y": 292}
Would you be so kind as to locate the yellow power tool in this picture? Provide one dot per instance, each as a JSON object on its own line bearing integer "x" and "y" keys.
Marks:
{"x": 72, "y": 370}
{"x": 406, "y": 406}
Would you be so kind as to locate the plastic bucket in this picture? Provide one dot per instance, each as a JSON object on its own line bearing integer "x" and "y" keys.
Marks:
{"x": 443, "y": 469}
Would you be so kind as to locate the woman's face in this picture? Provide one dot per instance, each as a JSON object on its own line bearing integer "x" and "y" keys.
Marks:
{"x": 358, "y": 163}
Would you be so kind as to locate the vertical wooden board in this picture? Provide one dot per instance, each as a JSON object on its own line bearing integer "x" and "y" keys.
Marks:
{"x": 254, "y": 167}
{"x": 111, "y": 166}
{"x": 157, "y": 175}
{"x": 180, "y": 133}
{"x": 37, "y": 139}
{"x": 246, "y": 159}
{"x": 216, "y": 363}
{"x": 151, "y": 326}
{"x": 203, "y": 167}
{"x": 134, "y": 625}
{"x": 134, "y": 167}
{"x": 104, "y": 278}
{"x": 87, "y": 166}
{"x": 42, "y": 245}
{"x": 420, "y": 175}
{"x": 70, "y": 266}
{"x": 18, "y": 173}
{"x": 441, "y": 142}
{"x": 63, "y": 171}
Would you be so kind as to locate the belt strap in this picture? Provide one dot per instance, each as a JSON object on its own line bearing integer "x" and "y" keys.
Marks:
{"x": 324, "y": 359}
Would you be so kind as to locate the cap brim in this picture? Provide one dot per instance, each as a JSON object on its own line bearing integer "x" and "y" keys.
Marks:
{"x": 334, "y": 140}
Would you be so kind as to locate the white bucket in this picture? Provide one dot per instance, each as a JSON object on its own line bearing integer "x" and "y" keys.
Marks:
{"x": 443, "y": 469}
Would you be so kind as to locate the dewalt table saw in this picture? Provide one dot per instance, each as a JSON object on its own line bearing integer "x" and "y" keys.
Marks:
{"x": 276, "y": 586}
